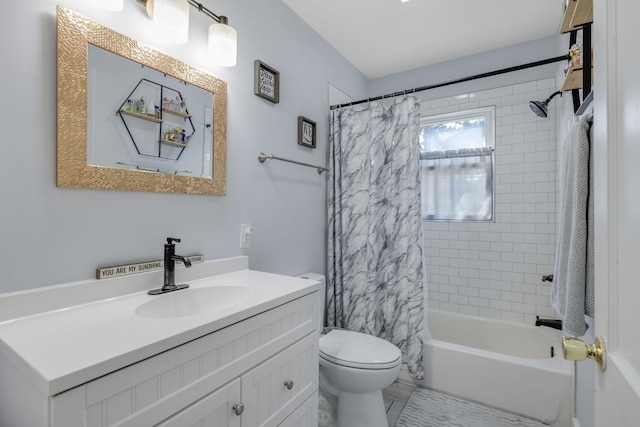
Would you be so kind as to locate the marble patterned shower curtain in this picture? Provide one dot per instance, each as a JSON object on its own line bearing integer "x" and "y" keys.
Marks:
{"x": 374, "y": 273}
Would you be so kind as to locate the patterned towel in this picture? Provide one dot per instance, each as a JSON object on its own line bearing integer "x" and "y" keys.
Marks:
{"x": 428, "y": 408}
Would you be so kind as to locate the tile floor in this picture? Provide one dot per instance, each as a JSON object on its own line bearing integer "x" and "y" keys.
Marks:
{"x": 395, "y": 397}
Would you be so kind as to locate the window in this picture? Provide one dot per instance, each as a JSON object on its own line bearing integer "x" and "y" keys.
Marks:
{"x": 456, "y": 164}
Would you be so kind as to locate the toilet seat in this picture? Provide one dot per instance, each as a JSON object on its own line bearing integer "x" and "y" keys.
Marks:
{"x": 358, "y": 350}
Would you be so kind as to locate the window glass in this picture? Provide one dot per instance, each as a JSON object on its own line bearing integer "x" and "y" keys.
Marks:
{"x": 457, "y": 166}
{"x": 453, "y": 135}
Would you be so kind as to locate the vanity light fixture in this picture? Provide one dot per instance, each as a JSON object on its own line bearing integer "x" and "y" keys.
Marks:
{"x": 112, "y": 5}
{"x": 173, "y": 16}
{"x": 223, "y": 43}
{"x": 171, "y": 20}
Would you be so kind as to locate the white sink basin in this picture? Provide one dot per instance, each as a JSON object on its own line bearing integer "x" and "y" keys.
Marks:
{"x": 193, "y": 301}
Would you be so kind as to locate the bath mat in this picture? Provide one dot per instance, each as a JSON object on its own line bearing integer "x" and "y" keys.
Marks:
{"x": 428, "y": 408}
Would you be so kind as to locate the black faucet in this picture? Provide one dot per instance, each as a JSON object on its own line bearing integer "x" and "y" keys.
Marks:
{"x": 170, "y": 259}
{"x": 552, "y": 323}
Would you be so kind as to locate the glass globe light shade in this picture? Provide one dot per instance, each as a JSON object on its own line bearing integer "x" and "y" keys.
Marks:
{"x": 112, "y": 5}
{"x": 223, "y": 43}
{"x": 171, "y": 20}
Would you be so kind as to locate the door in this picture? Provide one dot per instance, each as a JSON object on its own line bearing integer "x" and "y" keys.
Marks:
{"x": 617, "y": 209}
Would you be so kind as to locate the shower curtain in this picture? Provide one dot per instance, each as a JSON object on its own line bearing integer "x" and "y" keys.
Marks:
{"x": 374, "y": 273}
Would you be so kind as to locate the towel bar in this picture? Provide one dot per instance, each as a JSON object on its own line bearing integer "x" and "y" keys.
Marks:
{"x": 262, "y": 157}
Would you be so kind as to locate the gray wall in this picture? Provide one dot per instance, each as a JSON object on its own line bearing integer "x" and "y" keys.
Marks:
{"x": 54, "y": 235}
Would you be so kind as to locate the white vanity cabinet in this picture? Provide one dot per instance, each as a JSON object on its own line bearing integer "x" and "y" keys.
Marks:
{"x": 261, "y": 371}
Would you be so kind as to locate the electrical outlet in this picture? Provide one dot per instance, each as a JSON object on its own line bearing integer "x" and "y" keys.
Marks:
{"x": 245, "y": 235}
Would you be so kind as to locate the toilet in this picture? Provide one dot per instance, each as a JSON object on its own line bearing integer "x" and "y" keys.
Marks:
{"x": 355, "y": 367}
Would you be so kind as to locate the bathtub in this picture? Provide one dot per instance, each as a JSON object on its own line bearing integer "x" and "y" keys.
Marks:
{"x": 510, "y": 366}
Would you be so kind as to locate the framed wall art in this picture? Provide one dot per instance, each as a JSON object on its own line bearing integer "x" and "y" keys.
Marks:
{"x": 306, "y": 132}
{"x": 266, "y": 82}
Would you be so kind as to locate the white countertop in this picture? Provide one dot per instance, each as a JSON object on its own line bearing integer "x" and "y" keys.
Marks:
{"x": 67, "y": 347}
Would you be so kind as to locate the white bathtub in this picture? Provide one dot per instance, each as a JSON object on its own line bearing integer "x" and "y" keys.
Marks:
{"x": 502, "y": 364}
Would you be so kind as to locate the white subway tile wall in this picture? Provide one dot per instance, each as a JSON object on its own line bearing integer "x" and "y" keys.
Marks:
{"x": 495, "y": 269}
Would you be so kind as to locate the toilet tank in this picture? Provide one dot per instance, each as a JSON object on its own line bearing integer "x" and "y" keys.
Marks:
{"x": 323, "y": 293}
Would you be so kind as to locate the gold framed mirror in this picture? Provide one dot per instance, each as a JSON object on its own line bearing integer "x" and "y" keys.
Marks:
{"x": 74, "y": 35}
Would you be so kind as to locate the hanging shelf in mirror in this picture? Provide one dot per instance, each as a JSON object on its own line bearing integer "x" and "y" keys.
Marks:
{"x": 141, "y": 116}
{"x": 139, "y": 104}
{"x": 176, "y": 113}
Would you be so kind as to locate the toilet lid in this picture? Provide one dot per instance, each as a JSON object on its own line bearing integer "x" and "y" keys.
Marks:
{"x": 357, "y": 350}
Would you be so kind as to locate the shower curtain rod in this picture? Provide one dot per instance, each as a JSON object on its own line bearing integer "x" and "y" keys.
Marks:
{"x": 461, "y": 80}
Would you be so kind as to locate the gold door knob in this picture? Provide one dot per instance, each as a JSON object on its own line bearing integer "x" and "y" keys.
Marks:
{"x": 574, "y": 349}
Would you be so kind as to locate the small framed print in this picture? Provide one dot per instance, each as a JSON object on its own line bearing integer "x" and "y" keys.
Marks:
{"x": 266, "y": 82}
{"x": 306, "y": 132}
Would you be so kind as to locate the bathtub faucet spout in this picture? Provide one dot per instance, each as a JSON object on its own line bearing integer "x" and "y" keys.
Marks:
{"x": 552, "y": 323}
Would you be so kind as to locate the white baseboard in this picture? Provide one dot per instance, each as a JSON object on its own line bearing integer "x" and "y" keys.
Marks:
{"x": 575, "y": 422}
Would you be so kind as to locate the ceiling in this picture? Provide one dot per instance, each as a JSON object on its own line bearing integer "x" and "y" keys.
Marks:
{"x": 384, "y": 37}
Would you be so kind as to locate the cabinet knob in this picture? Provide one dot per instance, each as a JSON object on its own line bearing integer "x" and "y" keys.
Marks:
{"x": 288, "y": 384}
{"x": 238, "y": 408}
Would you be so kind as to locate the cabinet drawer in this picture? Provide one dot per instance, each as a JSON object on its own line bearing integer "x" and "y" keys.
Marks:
{"x": 277, "y": 387}
{"x": 214, "y": 410}
{"x": 154, "y": 389}
{"x": 306, "y": 415}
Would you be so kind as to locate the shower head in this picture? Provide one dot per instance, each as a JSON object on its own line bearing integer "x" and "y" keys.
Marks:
{"x": 540, "y": 107}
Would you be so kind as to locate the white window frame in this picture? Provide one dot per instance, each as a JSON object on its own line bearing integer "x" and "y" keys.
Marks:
{"x": 489, "y": 115}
